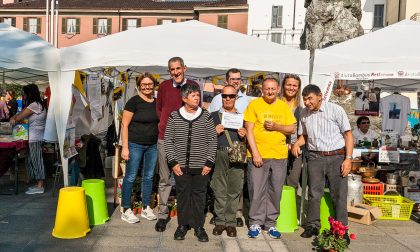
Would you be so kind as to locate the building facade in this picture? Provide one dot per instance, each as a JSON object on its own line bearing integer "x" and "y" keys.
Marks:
{"x": 283, "y": 21}
{"x": 80, "y": 21}
{"x": 398, "y": 10}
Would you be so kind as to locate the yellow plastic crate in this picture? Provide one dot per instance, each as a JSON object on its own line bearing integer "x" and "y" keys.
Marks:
{"x": 392, "y": 207}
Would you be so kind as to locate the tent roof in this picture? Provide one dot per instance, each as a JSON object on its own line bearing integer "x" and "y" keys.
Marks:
{"x": 20, "y": 49}
{"x": 391, "y": 52}
{"x": 200, "y": 45}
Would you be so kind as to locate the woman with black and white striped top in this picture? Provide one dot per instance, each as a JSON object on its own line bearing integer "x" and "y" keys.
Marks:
{"x": 190, "y": 144}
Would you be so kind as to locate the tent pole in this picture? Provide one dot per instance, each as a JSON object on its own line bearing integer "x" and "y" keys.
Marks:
{"x": 311, "y": 65}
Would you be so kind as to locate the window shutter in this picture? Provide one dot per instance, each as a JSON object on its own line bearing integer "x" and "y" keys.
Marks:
{"x": 63, "y": 26}
{"x": 14, "y": 22}
{"x": 138, "y": 22}
{"x": 25, "y": 24}
{"x": 280, "y": 16}
{"x": 77, "y": 25}
{"x": 274, "y": 17}
{"x": 95, "y": 26}
{"x": 109, "y": 26}
{"x": 38, "y": 25}
{"x": 124, "y": 24}
{"x": 159, "y": 21}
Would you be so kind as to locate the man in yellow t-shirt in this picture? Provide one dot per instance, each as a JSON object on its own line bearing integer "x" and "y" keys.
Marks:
{"x": 267, "y": 120}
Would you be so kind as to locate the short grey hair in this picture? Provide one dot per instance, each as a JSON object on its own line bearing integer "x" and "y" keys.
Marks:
{"x": 176, "y": 59}
{"x": 188, "y": 88}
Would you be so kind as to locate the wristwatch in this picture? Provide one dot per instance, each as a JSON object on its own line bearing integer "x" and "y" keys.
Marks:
{"x": 349, "y": 157}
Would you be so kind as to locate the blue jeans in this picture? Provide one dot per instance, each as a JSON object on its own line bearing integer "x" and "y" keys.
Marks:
{"x": 146, "y": 156}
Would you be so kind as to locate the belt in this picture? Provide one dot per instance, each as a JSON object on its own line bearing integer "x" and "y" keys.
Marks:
{"x": 331, "y": 153}
{"x": 222, "y": 148}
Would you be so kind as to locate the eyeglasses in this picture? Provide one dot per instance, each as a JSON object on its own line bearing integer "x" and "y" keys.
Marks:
{"x": 146, "y": 84}
{"x": 365, "y": 123}
{"x": 231, "y": 96}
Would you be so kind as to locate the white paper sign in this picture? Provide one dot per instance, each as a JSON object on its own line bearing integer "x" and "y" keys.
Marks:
{"x": 389, "y": 156}
{"x": 232, "y": 120}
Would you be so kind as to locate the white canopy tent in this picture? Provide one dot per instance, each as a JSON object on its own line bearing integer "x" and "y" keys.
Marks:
{"x": 24, "y": 58}
{"x": 205, "y": 48}
{"x": 391, "y": 55}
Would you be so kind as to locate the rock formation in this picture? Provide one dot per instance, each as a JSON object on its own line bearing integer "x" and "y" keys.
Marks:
{"x": 329, "y": 22}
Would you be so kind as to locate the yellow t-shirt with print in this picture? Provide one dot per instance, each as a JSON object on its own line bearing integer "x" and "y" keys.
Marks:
{"x": 270, "y": 144}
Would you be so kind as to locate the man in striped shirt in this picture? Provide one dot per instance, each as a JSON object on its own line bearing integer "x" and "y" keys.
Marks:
{"x": 326, "y": 131}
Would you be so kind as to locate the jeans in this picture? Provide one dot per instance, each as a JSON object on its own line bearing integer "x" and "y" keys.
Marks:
{"x": 145, "y": 155}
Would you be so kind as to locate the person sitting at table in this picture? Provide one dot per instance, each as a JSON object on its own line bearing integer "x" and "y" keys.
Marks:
{"x": 37, "y": 115}
{"x": 363, "y": 134}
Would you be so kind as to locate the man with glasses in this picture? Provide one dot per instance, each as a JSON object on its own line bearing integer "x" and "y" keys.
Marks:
{"x": 227, "y": 180}
{"x": 168, "y": 100}
{"x": 233, "y": 77}
{"x": 363, "y": 134}
{"x": 268, "y": 120}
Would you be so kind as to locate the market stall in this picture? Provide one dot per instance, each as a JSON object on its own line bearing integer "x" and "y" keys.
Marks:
{"x": 25, "y": 58}
{"x": 384, "y": 60}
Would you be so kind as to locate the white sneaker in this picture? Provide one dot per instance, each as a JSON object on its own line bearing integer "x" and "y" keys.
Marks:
{"x": 148, "y": 213}
{"x": 35, "y": 190}
{"x": 128, "y": 216}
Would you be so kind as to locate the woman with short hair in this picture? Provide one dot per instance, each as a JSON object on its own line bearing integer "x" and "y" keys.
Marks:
{"x": 190, "y": 145}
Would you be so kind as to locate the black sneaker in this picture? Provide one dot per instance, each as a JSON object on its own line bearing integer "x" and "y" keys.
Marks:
{"x": 201, "y": 234}
{"x": 309, "y": 232}
{"x": 180, "y": 232}
{"x": 160, "y": 225}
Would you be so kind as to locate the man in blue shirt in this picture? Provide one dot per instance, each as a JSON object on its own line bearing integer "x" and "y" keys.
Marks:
{"x": 233, "y": 77}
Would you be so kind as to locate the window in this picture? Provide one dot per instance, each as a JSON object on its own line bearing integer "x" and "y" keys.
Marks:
{"x": 130, "y": 23}
{"x": 276, "y": 37}
{"x": 277, "y": 17}
{"x": 165, "y": 21}
{"x": 9, "y": 20}
{"x": 102, "y": 26}
{"x": 32, "y": 25}
{"x": 378, "y": 15}
{"x": 70, "y": 26}
{"x": 222, "y": 21}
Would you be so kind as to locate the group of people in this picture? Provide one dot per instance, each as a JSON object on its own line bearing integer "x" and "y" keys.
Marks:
{"x": 183, "y": 139}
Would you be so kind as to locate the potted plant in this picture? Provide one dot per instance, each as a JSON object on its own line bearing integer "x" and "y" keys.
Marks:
{"x": 336, "y": 238}
{"x": 173, "y": 210}
{"x": 137, "y": 207}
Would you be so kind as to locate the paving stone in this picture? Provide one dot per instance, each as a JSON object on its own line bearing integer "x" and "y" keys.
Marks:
{"x": 254, "y": 245}
{"x": 231, "y": 246}
{"x": 125, "y": 241}
{"x": 278, "y": 246}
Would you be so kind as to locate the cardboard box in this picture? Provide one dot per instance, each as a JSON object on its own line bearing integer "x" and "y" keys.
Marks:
{"x": 364, "y": 214}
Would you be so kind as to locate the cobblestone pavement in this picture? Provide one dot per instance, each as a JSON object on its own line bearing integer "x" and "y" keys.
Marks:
{"x": 26, "y": 223}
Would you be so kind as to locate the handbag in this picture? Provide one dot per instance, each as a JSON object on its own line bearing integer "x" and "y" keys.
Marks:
{"x": 236, "y": 150}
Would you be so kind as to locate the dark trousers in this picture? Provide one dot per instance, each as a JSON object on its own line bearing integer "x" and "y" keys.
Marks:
{"x": 191, "y": 192}
{"x": 318, "y": 167}
{"x": 227, "y": 183}
{"x": 294, "y": 170}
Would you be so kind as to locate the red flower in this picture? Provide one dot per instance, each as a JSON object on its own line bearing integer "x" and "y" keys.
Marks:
{"x": 353, "y": 236}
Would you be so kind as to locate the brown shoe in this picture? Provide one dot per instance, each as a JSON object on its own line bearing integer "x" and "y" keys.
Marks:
{"x": 218, "y": 229}
{"x": 231, "y": 231}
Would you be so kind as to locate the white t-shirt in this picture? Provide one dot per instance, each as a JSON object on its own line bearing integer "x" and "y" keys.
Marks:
{"x": 395, "y": 110}
{"x": 358, "y": 135}
{"x": 37, "y": 122}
